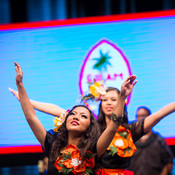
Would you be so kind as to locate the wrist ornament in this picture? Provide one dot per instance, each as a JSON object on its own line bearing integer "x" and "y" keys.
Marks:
{"x": 117, "y": 119}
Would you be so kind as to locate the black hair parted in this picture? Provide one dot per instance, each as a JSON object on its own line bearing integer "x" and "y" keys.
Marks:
{"x": 87, "y": 140}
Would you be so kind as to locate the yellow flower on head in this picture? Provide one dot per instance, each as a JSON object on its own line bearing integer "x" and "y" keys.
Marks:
{"x": 97, "y": 89}
{"x": 59, "y": 121}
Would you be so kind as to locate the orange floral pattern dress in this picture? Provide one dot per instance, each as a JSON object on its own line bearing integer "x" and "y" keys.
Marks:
{"x": 116, "y": 158}
{"x": 122, "y": 143}
{"x": 72, "y": 161}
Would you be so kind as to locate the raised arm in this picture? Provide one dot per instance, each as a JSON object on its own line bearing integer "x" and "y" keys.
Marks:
{"x": 154, "y": 118}
{"x": 108, "y": 134}
{"x": 33, "y": 121}
{"x": 167, "y": 169}
{"x": 43, "y": 107}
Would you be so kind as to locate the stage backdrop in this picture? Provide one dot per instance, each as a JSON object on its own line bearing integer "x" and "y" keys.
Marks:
{"x": 58, "y": 58}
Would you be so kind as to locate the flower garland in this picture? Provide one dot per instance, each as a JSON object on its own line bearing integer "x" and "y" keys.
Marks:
{"x": 122, "y": 143}
{"x": 72, "y": 161}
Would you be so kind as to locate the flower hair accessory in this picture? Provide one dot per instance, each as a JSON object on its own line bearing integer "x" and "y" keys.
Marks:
{"x": 59, "y": 120}
{"x": 97, "y": 89}
{"x": 72, "y": 161}
{"x": 122, "y": 143}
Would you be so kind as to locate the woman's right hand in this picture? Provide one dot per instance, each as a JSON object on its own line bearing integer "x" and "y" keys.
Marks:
{"x": 15, "y": 93}
{"x": 19, "y": 73}
{"x": 128, "y": 86}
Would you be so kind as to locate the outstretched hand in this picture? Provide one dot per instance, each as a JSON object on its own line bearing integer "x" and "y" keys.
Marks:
{"x": 15, "y": 93}
{"x": 128, "y": 85}
{"x": 19, "y": 73}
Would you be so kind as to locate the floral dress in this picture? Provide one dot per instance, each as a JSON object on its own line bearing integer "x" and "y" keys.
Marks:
{"x": 117, "y": 157}
{"x": 70, "y": 160}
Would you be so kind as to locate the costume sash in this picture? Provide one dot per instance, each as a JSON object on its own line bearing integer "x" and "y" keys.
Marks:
{"x": 114, "y": 172}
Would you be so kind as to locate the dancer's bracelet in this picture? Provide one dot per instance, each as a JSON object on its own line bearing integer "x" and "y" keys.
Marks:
{"x": 117, "y": 119}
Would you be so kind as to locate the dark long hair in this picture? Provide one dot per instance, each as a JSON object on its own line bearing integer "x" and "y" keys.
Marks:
{"x": 87, "y": 140}
{"x": 101, "y": 116}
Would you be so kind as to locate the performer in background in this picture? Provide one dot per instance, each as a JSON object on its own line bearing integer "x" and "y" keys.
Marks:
{"x": 73, "y": 149}
{"x": 116, "y": 157}
{"x": 153, "y": 155}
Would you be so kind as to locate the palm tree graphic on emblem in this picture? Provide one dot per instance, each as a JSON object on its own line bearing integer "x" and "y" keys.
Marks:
{"x": 102, "y": 63}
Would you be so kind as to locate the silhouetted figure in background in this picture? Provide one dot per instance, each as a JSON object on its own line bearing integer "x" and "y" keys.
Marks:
{"x": 43, "y": 165}
{"x": 153, "y": 155}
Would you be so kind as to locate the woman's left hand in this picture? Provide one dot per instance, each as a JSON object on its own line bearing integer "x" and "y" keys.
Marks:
{"x": 19, "y": 73}
{"x": 128, "y": 85}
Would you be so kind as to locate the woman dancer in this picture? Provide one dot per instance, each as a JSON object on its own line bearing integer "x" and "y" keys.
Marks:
{"x": 116, "y": 157}
{"x": 71, "y": 150}
{"x": 118, "y": 161}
